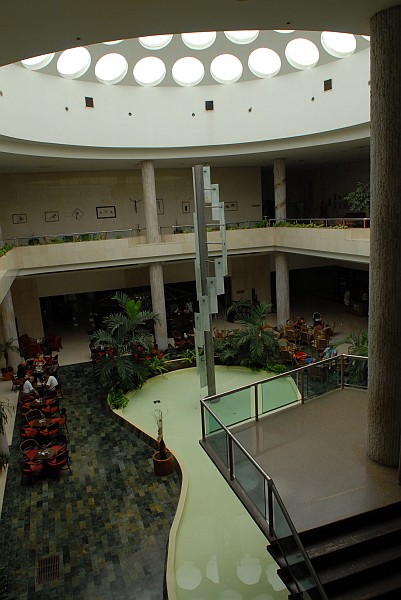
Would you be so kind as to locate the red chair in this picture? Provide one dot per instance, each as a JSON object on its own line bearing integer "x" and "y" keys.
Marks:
{"x": 29, "y": 447}
{"x": 48, "y": 432}
{"x": 51, "y": 407}
{"x": 30, "y": 470}
{"x": 59, "y": 463}
{"x": 28, "y": 432}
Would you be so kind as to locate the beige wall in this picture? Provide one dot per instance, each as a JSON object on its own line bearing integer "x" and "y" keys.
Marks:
{"x": 67, "y": 202}
{"x": 249, "y": 272}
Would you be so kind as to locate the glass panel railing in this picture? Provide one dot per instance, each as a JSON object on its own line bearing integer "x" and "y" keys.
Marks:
{"x": 250, "y": 479}
{"x": 356, "y": 372}
{"x": 290, "y": 549}
{"x": 277, "y": 393}
{"x": 320, "y": 378}
{"x": 216, "y": 436}
{"x": 234, "y": 407}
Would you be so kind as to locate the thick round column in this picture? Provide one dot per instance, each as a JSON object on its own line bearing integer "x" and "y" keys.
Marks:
{"x": 9, "y": 329}
{"x": 149, "y": 201}
{"x": 384, "y": 409}
{"x": 282, "y": 273}
{"x": 158, "y": 304}
{"x": 282, "y": 288}
{"x": 153, "y": 237}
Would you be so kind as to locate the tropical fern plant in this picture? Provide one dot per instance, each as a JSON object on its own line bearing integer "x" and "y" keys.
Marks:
{"x": 123, "y": 334}
{"x": 253, "y": 344}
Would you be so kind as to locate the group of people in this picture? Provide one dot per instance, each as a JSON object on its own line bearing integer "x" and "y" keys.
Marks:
{"x": 36, "y": 376}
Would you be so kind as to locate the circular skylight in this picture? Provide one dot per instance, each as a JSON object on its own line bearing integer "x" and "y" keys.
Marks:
{"x": 284, "y": 30}
{"x": 74, "y": 62}
{"x": 188, "y": 71}
{"x": 149, "y": 71}
{"x": 113, "y": 42}
{"x": 226, "y": 68}
{"x": 111, "y": 68}
{"x": 302, "y": 53}
{"x": 339, "y": 45}
{"x": 155, "y": 42}
{"x": 264, "y": 62}
{"x": 242, "y": 37}
{"x": 199, "y": 40}
{"x": 38, "y": 62}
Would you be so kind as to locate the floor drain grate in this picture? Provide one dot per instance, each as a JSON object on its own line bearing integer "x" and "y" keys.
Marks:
{"x": 48, "y": 568}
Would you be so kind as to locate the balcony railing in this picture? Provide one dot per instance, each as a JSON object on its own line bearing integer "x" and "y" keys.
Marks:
{"x": 253, "y": 485}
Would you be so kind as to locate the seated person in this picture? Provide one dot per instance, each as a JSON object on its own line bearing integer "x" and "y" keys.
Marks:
{"x": 21, "y": 370}
{"x": 304, "y": 359}
{"x": 51, "y": 382}
{"x": 28, "y": 388}
{"x": 328, "y": 352}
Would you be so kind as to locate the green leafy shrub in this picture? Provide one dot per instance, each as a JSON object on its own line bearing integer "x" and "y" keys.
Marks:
{"x": 117, "y": 399}
{"x": 276, "y": 368}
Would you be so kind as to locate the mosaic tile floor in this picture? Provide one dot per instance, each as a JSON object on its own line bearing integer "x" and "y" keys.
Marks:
{"x": 108, "y": 521}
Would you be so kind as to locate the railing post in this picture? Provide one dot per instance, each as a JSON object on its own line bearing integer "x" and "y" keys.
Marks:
{"x": 270, "y": 513}
{"x": 303, "y": 386}
{"x": 256, "y": 402}
{"x": 342, "y": 372}
{"x": 230, "y": 457}
{"x": 203, "y": 422}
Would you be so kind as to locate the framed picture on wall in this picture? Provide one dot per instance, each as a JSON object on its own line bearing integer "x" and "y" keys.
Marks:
{"x": 186, "y": 207}
{"x": 106, "y": 212}
{"x": 19, "y": 218}
{"x": 230, "y": 206}
{"x": 51, "y": 216}
{"x": 160, "y": 206}
{"x": 78, "y": 214}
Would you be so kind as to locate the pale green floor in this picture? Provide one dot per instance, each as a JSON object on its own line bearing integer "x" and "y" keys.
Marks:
{"x": 220, "y": 552}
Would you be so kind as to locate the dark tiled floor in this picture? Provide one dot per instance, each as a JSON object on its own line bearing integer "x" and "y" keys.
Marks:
{"x": 109, "y": 520}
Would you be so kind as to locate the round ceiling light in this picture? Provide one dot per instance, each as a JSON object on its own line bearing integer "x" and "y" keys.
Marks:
{"x": 111, "y": 68}
{"x": 149, "y": 71}
{"x": 264, "y": 62}
{"x": 242, "y": 37}
{"x": 199, "y": 40}
{"x": 113, "y": 42}
{"x": 226, "y": 68}
{"x": 188, "y": 71}
{"x": 155, "y": 42}
{"x": 38, "y": 62}
{"x": 73, "y": 63}
{"x": 339, "y": 45}
{"x": 302, "y": 53}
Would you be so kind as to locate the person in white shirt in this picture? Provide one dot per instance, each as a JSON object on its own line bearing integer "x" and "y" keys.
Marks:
{"x": 28, "y": 388}
{"x": 51, "y": 383}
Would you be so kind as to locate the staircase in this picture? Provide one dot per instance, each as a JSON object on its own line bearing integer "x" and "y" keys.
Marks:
{"x": 358, "y": 558}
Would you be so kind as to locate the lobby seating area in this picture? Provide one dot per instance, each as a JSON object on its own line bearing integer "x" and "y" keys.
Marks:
{"x": 105, "y": 523}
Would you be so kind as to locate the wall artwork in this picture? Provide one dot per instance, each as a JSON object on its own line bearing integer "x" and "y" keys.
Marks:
{"x": 106, "y": 212}
{"x": 19, "y": 218}
{"x": 160, "y": 206}
{"x": 51, "y": 216}
{"x": 78, "y": 214}
{"x": 230, "y": 206}
{"x": 186, "y": 207}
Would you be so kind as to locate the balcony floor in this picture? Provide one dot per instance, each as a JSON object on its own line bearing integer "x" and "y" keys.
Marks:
{"x": 315, "y": 454}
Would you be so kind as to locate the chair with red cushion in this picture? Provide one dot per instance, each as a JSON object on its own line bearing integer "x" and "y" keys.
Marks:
{"x": 48, "y": 432}
{"x": 59, "y": 463}
{"x": 29, "y": 447}
{"x": 51, "y": 407}
{"x": 30, "y": 470}
{"x": 58, "y": 440}
{"x": 33, "y": 414}
{"x": 27, "y": 431}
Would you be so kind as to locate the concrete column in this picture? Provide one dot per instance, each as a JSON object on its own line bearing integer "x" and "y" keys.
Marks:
{"x": 282, "y": 288}
{"x": 282, "y": 272}
{"x": 9, "y": 329}
{"x": 27, "y": 307}
{"x": 149, "y": 201}
{"x": 158, "y": 304}
{"x": 153, "y": 237}
{"x": 384, "y": 406}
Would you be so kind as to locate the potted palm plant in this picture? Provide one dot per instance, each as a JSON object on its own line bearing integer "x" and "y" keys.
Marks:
{"x": 163, "y": 460}
{"x": 5, "y": 348}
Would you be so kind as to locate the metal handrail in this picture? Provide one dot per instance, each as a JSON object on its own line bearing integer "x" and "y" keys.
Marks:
{"x": 272, "y": 492}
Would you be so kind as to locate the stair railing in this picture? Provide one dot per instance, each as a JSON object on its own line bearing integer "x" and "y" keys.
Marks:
{"x": 260, "y": 496}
